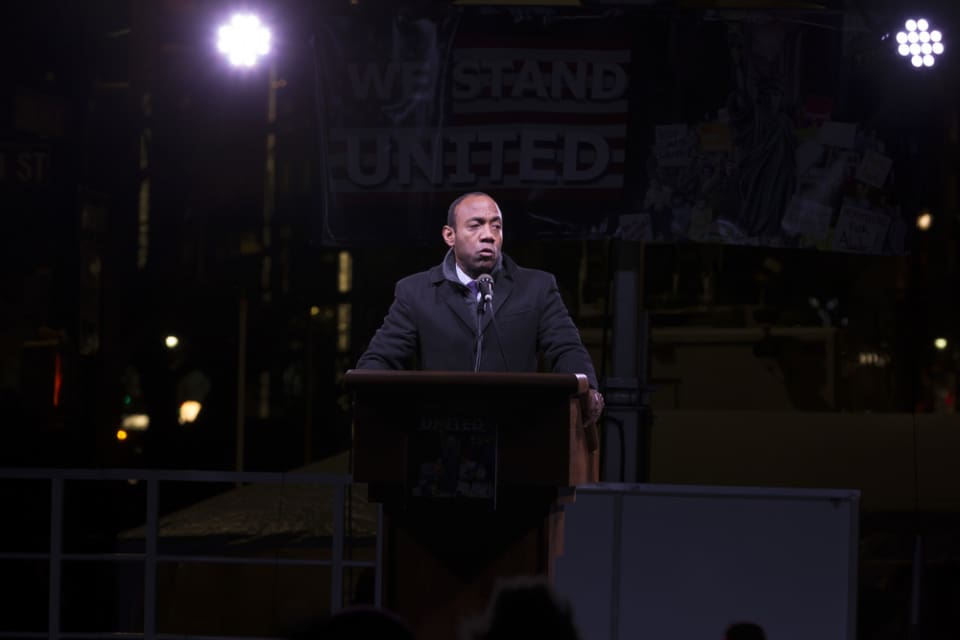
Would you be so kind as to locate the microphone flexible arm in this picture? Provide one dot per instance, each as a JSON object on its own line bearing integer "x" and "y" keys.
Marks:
{"x": 496, "y": 331}
{"x": 476, "y": 361}
{"x": 485, "y": 304}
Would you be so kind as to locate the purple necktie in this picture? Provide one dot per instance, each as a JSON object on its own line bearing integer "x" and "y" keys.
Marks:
{"x": 474, "y": 289}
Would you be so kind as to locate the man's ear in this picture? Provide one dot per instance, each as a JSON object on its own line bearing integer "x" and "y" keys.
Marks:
{"x": 449, "y": 235}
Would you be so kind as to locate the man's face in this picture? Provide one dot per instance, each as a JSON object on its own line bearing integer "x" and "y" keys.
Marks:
{"x": 478, "y": 235}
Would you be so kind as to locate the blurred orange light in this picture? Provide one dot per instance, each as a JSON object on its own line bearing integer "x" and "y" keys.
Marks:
{"x": 121, "y": 435}
{"x": 57, "y": 380}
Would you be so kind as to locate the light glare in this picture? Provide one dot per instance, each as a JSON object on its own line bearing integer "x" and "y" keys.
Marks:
{"x": 911, "y": 25}
{"x": 922, "y": 25}
{"x": 872, "y": 358}
{"x": 901, "y": 37}
{"x": 940, "y": 343}
{"x": 243, "y": 40}
{"x": 904, "y": 49}
{"x": 937, "y": 48}
{"x": 928, "y": 61}
{"x": 924, "y": 221}
{"x": 189, "y": 411}
{"x": 916, "y": 61}
{"x": 936, "y": 36}
{"x": 136, "y": 422}
{"x": 171, "y": 342}
{"x": 913, "y": 37}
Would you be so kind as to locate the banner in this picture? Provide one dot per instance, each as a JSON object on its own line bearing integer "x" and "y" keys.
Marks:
{"x": 422, "y": 110}
{"x": 666, "y": 127}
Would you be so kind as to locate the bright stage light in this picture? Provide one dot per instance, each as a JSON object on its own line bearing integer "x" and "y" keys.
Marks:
{"x": 243, "y": 40}
{"x": 920, "y": 43}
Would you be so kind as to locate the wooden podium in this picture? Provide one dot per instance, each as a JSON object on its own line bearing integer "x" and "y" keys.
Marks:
{"x": 519, "y": 446}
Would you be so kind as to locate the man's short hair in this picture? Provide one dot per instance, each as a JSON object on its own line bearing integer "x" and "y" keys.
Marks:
{"x": 523, "y": 607}
{"x": 452, "y": 209}
{"x": 361, "y": 621}
{"x": 744, "y": 631}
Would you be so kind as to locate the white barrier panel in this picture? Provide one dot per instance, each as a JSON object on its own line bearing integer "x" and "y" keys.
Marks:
{"x": 671, "y": 562}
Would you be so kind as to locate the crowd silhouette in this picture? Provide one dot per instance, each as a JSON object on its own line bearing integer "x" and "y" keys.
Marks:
{"x": 520, "y": 608}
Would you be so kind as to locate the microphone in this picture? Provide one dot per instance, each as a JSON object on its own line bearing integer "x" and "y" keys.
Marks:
{"x": 485, "y": 283}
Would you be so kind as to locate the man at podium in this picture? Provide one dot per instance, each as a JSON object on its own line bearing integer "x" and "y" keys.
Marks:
{"x": 479, "y": 310}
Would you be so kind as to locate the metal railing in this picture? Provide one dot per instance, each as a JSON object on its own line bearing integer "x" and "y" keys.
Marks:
{"x": 151, "y": 558}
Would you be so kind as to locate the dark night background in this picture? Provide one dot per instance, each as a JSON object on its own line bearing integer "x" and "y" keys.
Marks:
{"x": 136, "y": 206}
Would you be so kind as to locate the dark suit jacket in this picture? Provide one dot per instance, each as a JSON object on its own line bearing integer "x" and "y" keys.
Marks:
{"x": 432, "y": 325}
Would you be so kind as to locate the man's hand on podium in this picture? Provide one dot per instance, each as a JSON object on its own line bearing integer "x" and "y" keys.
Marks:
{"x": 592, "y": 404}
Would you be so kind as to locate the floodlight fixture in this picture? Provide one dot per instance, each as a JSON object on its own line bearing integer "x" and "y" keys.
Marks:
{"x": 920, "y": 43}
{"x": 243, "y": 40}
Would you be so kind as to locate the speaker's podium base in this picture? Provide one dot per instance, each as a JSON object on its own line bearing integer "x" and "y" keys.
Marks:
{"x": 444, "y": 554}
